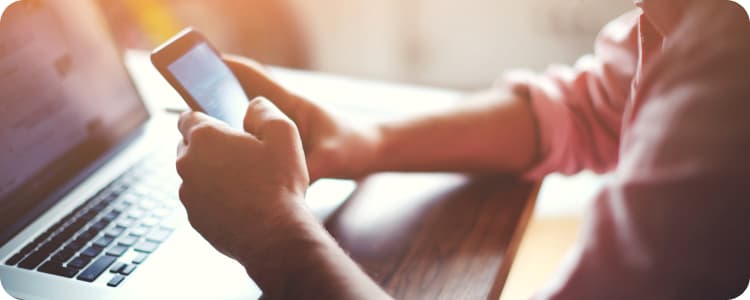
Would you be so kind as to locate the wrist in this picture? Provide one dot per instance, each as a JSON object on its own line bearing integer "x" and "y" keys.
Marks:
{"x": 373, "y": 152}
{"x": 381, "y": 152}
{"x": 273, "y": 262}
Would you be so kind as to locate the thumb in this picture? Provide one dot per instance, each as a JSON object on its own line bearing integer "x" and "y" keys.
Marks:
{"x": 257, "y": 82}
{"x": 315, "y": 168}
{"x": 268, "y": 123}
{"x": 7, "y": 8}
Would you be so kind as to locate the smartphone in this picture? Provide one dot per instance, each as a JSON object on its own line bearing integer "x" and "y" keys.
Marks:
{"x": 196, "y": 70}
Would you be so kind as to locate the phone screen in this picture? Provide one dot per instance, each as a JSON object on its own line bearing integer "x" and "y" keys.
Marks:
{"x": 211, "y": 84}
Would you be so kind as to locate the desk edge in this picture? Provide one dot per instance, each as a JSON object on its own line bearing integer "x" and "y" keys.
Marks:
{"x": 515, "y": 242}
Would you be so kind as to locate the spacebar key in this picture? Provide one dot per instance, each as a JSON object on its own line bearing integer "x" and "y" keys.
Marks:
{"x": 97, "y": 268}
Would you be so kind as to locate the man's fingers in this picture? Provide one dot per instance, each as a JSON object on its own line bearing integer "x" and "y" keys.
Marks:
{"x": 11, "y": 9}
{"x": 191, "y": 120}
{"x": 253, "y": 77}
{"x": 265, "y": 121}
{"x": 181, "y": 148}
{"x": 257, "y": 82}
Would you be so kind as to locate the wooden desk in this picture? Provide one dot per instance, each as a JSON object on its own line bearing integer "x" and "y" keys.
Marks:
{"x": 425, "y": 236}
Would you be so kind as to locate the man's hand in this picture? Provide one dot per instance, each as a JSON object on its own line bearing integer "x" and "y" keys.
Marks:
{"x": 334, "y": 148}
{"x": 243, "y": 191}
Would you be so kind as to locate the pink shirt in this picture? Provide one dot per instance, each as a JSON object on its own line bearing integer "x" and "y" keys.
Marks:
{"x": 664, "y": 103}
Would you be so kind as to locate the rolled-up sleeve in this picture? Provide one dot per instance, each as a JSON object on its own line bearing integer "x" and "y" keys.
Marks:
{"x": 579, "y": 109}
{"x": 673, "y": 221}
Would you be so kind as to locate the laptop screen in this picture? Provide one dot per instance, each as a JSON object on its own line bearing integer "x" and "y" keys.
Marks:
{"x": 66, "y": 99}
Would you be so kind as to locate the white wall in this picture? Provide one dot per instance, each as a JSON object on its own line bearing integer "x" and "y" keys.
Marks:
{"x": 463, "y": 44}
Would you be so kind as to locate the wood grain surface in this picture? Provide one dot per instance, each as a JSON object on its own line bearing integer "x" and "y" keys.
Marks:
{"x": 435, "y": 236}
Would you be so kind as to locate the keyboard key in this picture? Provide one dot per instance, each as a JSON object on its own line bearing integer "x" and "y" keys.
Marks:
{"x": 141, "y": 191}
{"x": 136, "y": 214}
{"x": 33, "y": 260}
{"x": 118, "y": 189}
{"x": 121, "y": 207}
{"x": 111, "y": 198}
{"x": 150, "y": 222}
{"x": 79, "y": 222}
{"x": 98, "y": 226}
{"x": 117, "y": 250}
{"x": 127, "y": 222}
{"x": 91, "y": 251}
{"x": 57, "y": 269}
{"x": 116, "y": 267}
{"x": 104, "y": 241}
{"x": 111, "y": 216}
{"x": 99, "y": 206}
{"x": 123, "y": 184}
{"x": 129, "y": 200}
{"x": 162, "y": 212}
{"x": 115, "y": 231}
{"x": 140, "y": 258}
{"x": 159, "y": 235}
{"x": 115, "y": 281}
{"x": 139, "y": 231}
{"x": 76, "y": 245}
{"x": 79, "y": 262}
{"x": 55, "y": 227}
{"x": 128, "y": 240}
{"x": 49, "y": 247}
{"x": 127, "y": 269}
{"x": 88, "y": 216}
{"x": 28, "y": 248}
{"x": 147, "y": 204}
{"x": 63, "y": 255}
{"x": 146, "y": 246}
{"x": 87, "y": 235}
{"x": 14, "y": 259}
{"x": 96, "y": 268}
{"x": 67, "y": 233}
{"x": 38, "y": 240}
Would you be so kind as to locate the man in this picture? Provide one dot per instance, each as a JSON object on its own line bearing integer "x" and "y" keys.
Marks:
{"x": 662, "y": 104}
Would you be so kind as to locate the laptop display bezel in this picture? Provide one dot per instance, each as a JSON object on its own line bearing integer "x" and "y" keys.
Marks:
{"x": 58, "y": 178}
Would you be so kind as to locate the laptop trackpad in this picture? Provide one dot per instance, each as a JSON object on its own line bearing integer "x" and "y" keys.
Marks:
{"x": 188, "y": 267}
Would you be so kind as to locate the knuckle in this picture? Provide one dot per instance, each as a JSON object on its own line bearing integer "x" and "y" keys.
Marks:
{"x": 202, "y": 132}
{"x": 282, "y": 126}
{"x": 195, "y": 222}
{"x": 255, "y": 105}
{"x": 183, "y": 193}
{"x": 249, "y": 112}
{"x": 256, "y": 101}
{"x": 328, "y": 155}
{"x": 181, "y": 165}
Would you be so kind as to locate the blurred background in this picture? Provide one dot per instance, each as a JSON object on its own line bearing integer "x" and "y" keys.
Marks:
{"x": 447, "y": 43}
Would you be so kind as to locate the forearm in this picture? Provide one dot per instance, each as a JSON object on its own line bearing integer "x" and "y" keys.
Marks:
{"x": 493, "y": 133}
{"x": 306, "y": 262}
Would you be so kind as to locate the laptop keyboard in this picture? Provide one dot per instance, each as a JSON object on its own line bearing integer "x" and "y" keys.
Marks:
{"x": 117, "y": 229}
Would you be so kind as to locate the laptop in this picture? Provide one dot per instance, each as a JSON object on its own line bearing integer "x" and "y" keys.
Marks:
{"x": 88, "y": 188}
